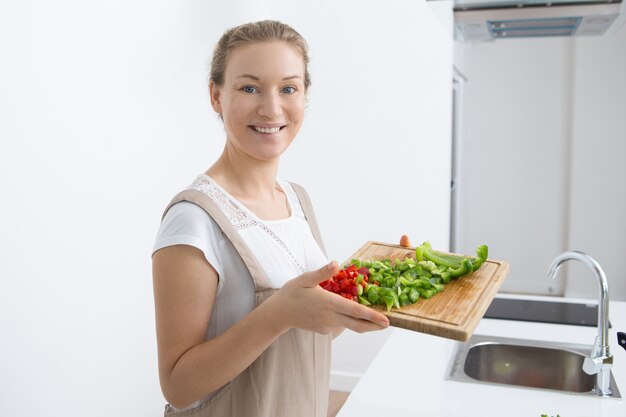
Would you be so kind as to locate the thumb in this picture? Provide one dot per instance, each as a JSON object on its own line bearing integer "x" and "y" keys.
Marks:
{"x": 313, "y": 278}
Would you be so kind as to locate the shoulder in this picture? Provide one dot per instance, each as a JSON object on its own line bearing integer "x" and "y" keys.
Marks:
{"x": 292, "y": 185}
{"x": 187, "y": 216}
{"x": 295, "y": 194}
{"x": 294, "y": 189}
{"x": 187, "y": 223}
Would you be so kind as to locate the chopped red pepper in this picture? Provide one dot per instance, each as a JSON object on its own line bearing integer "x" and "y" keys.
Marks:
{"x": 364, "y": 271}
{"x": 344, "y": 282}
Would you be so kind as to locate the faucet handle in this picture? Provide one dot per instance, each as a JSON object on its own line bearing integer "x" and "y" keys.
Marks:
{"x": 592, "y": 366}
{"x": 600, "y": 358}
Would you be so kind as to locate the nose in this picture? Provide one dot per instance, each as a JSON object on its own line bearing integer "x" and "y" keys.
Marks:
{"x": 270, "y": 106}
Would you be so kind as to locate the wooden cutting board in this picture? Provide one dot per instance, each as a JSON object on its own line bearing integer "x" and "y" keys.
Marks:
{"x": 453, "y": 313}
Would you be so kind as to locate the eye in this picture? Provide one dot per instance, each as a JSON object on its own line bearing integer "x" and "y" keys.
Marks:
{"x": 289, "y": 90}
{"x": 249, "y": 89}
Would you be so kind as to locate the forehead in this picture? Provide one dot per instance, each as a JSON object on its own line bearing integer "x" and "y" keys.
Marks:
{"x": 265, "y": 61}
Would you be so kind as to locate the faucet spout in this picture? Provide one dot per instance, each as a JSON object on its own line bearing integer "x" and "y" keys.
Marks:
{"x": 600, "y": 360}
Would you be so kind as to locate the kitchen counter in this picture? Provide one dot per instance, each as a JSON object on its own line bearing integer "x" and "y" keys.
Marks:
{"x": 408, "y": 376}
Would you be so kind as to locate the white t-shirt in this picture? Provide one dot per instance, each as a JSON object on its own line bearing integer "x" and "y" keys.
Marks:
{"x": 285, "y": 248}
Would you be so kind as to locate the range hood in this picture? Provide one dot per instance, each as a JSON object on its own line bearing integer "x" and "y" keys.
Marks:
{"x": 488, "y": 20}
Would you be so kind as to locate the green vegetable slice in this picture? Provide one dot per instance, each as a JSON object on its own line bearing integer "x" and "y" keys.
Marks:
{"x": 403, "y": 282}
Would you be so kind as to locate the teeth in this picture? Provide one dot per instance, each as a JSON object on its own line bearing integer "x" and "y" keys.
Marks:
{"x": 266, "y": 129}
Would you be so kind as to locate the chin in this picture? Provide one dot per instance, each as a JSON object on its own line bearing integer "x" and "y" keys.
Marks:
{"x": 269, "y": 153}
{"x": 268, "y": 156}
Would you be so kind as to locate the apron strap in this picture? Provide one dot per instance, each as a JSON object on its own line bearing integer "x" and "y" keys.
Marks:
{"x": 261, "y": 281}
{"x": 309, "y": 214}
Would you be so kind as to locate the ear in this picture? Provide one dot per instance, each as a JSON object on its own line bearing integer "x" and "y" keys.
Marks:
{"x": 214, "y": 93}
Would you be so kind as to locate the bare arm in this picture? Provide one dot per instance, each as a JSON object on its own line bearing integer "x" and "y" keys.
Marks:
{"x": 185, "y": 286}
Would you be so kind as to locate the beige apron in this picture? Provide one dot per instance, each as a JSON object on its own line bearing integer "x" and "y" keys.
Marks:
{"x": 291, "y": 376}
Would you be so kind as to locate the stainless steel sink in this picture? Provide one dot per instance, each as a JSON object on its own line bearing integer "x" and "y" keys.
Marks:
{"x": 524, "y": 363}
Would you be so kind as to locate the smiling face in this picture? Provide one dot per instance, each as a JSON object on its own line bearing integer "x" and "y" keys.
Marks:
{"x": 262, "y": 98}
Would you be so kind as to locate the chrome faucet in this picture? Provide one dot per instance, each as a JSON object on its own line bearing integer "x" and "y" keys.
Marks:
{"x": 600, "y": 361}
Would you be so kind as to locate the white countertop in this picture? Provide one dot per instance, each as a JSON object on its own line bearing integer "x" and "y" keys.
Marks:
{"x": 408, "y": 377}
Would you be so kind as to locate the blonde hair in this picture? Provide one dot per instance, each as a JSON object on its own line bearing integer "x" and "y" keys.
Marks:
{"x": 256, "y": 32}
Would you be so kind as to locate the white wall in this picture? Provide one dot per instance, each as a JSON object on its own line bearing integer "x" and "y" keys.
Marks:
{"x": 104, "y": 116}
{"x": 375, "y": 150}
{"x": 543, "y": 170}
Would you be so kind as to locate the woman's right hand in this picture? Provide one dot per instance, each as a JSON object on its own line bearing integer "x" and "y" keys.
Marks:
{"x": 303, "y": 304}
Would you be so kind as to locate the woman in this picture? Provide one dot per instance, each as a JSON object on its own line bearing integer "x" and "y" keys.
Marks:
{"x": 243, "y": 328}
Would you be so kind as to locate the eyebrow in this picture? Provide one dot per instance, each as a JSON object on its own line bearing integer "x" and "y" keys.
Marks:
{"x": 257, "y": 78}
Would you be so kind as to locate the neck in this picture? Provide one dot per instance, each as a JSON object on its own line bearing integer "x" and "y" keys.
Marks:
{"x": 243, "y": 176}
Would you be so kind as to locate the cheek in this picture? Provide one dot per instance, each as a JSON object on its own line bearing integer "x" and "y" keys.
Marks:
{"x": 236, "y": 115}
{"x": 297, "y": 112}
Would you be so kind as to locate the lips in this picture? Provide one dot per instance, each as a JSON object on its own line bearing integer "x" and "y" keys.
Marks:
{"x": 267, "y": 129}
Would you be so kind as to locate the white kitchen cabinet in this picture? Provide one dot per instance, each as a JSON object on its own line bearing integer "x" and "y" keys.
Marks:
{"x": 542, "y": 157}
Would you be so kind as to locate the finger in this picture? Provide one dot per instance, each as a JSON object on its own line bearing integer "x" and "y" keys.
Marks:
{"x": 358, "y": 325}
{"x": 313, "y": 278}
{"x": 357, "y": 311}
{"x": 404, "y": 241}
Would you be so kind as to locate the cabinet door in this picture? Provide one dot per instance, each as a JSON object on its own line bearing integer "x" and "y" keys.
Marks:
{"x": 514, "y": 157}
